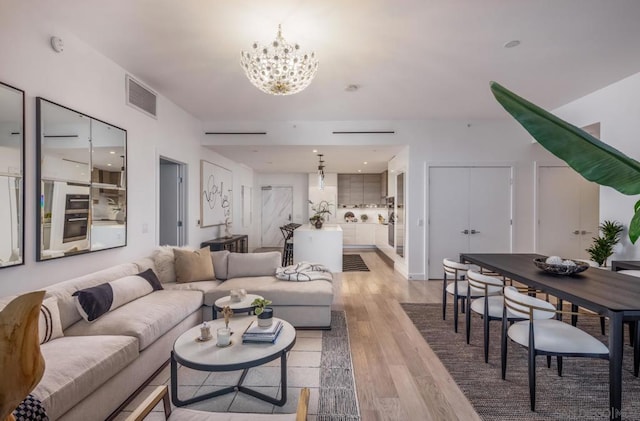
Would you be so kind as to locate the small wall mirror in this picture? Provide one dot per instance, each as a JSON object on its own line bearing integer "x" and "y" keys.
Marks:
{"x": 11, "y": 176}
{"x": 82, "y": 182}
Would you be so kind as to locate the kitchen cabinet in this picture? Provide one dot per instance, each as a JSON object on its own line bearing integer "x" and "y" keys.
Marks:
{"x": 348, "y": 234}
{"x": 360, "y": 189}
{"x": 359, "y": 233}
{"x": 382, "y": 236}
{"x": 365, "y": 234}
{"x": 344, "y": 189}
{"x": 383, "y": 184}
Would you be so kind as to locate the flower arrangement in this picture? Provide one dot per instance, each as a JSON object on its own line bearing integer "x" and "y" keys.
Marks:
{"x": 321, "y": 209}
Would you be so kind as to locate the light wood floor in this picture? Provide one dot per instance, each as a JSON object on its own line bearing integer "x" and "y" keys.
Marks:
{"x": 398, "y": 377}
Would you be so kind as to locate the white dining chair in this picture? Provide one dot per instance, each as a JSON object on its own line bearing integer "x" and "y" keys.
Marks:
{"x": 457, "y": 272}
{"x": 489, "y": 303}
{"x": 542, "y": 334}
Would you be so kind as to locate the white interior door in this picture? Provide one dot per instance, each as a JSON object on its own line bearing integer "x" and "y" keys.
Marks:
{"x": 490, "y": 210}
{"x": 470, "y": 210}
{"x": 277, "y": 209}
{"x": 448, "y": 215}
{"x": 568, "y": 212}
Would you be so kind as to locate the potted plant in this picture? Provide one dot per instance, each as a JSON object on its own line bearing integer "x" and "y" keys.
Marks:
{"x": 264, "y": 313}
{"x": 321, "y": 209}
{"x": 602, "y": 247}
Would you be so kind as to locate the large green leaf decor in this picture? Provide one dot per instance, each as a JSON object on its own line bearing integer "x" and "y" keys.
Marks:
{"x": 594, "y": 160}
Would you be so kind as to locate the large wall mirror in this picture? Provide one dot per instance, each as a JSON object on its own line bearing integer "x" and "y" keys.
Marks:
{"x": 82, "y": 167}
{"x": 11, "y": 176}
{"x": 400, "y": 216}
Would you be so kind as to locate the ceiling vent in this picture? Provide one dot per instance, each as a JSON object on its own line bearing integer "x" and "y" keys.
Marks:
{"x": 141, "y": 98}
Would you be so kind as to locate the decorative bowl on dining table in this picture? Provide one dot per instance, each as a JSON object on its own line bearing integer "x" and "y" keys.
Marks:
{"x": 559, "y": 266}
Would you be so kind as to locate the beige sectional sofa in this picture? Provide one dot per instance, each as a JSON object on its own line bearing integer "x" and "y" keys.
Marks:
{"x": 96, "y": 366}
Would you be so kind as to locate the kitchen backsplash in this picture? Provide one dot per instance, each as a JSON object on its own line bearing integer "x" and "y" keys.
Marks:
{"x": 372, "y": 214}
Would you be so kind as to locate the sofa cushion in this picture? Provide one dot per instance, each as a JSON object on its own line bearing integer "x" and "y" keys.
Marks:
{"x": 63, "y": 291}
{"x": 164, "y": 261}
{"x": 206, "y": 287}
{"x": 282, "y": 293}
{"x": 76, "y": 366}
{"x": 146, "y": 318}
{"x": 253, "y": 264}
{"x": 49, "y": 324}
{"x": 96, "y": 301}
{"x": 220, "y": 261}
{"x": 193, "y": 266}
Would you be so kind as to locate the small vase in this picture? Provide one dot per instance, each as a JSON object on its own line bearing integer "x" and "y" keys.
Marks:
{"x": 318, "y": 224}
{"x": 265, "y": 318}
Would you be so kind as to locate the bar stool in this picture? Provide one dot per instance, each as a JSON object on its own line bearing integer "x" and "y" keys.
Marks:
{"x": 287, "y": 251}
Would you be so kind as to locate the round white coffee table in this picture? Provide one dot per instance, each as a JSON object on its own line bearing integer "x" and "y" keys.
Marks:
{"x": 207, "y": 356}
{"x": 242, "y": 306}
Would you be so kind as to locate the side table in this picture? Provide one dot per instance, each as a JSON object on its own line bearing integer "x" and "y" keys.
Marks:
{"x": 242, "y": 306}
{"x": 235, "y": 244}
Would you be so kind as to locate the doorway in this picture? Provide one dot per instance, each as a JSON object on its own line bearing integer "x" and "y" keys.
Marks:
{"x": 171, "y": 203}
{"x": 277, "y": 209}
{"x": 568, "y": 212}
{"x": 470, "y": 210}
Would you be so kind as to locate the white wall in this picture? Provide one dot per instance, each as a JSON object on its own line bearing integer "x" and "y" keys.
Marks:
{"x": 617, "y": 109}
{"x": 83, "y": 79}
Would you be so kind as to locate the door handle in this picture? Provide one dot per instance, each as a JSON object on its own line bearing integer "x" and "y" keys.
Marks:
{"x": 289, "y": 217}
{"x": 583, "y": 232}
{"x": 465, "y": 232}
{"x": 475, "y": 232}
{"x": 576, "y": 232}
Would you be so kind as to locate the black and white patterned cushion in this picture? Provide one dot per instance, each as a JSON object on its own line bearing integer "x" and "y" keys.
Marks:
{"x": 95, "y": 301}
{"x": 30, "y": 409}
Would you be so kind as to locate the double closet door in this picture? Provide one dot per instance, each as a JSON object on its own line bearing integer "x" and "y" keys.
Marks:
{"x": 470, "y": 211}
{"x": 568, "y": 212}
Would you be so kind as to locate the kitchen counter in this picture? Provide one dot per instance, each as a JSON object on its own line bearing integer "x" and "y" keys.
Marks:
{"x": 322, "y": 245}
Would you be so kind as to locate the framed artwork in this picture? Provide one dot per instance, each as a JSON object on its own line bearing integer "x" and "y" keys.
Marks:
{"x": 216, "y": 188}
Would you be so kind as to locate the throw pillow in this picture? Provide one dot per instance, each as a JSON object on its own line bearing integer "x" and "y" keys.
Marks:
{"x": 95, "y": 301}
{"x": 192, "y": 266}
{"x": 163, "y": 259}
{"x": 49, "y": 324}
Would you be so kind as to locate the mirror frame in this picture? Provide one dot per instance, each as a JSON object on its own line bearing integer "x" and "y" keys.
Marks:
{"x": 39, "y": 190}
{"x": 21, "y": 212}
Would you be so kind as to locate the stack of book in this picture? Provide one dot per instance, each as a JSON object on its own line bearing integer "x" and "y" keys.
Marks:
{"x": 255, "y": 333}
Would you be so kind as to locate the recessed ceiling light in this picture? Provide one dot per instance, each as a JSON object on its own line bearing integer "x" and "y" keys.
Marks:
{"x": 512, "y": 43}
{"x": 365, "y": 162}
{"x": 352, "y": 88}
{"x": 315, "y": 151}
{"x": 359, "y": 170}
{"x": 108, "y": 165}
{"x": 112, "y": 152}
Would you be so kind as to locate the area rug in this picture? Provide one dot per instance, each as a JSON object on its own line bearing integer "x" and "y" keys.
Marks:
{"x": 582, "y": 393}
{"x": 353, "y": 263}
{"x": 320, "y": 360}
{"x": 338, "y": 400}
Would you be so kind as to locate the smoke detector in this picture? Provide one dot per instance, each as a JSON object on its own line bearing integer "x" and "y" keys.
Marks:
{"x": 57, "y": 44}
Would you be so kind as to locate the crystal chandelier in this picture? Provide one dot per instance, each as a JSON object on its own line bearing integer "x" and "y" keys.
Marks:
{"x": 320, "y": 172}
{"x": 279, "y": 68}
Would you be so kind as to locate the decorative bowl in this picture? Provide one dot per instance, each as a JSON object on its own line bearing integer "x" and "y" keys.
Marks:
{"x": 561, "y": 269}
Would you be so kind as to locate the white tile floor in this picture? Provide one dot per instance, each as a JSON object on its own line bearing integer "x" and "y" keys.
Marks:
{"x": 303, "y": 370}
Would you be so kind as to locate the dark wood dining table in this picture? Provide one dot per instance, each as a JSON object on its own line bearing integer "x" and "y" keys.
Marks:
{"x": 607, "y": 293}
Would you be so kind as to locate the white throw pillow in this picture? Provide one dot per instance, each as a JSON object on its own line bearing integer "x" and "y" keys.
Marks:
{"x": 49, "y": 324}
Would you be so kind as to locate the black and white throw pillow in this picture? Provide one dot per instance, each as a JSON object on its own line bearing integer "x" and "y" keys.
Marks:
{"x": 49, "y": 324}
{"x": 95, "y": 301}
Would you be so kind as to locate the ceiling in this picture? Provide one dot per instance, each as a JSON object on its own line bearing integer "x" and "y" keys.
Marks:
{"x": 415, "y": 59}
